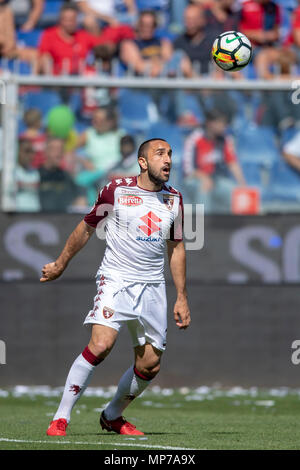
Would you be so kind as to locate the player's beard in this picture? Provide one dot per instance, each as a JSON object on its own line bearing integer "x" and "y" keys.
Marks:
{"x": 156, "y": 176}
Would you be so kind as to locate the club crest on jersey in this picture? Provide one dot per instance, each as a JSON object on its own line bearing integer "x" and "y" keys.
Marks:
{"x": 108, "y": 312}
{"x": 168, "y": 201}
{"x": 130, "y": 200}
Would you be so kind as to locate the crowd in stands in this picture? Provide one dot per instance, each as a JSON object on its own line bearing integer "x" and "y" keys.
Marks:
{"x": 60, "y": 167}
{"x": 57, "y": 36}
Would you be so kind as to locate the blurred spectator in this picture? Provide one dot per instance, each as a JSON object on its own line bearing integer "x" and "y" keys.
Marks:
{"x": 108, "y": 47}
{"x": 291, "y": 152}
{"x": 294, "y": 37}
{"x": 196, "y": 41}
{"x": 27, "y": 13}
{"x": 282, "y": 61}
{"x": 260, "y": 22}
{"x": 98, "y": 12}
{"x": 57, "y": 189}
{"x": 7, "y": 31}
{"x": 100, "y": 151}
{"x": 35, "y": 134}
{"x": 129, "y": 165}
{"x": 27, "y": 180}
{"x": 8, "y": 46}
{"x": 147, "y": 54}
{"x": 276, "y": 63}
{"x": 65, "y": 46}
{"x": 101, "y": 142}
{"x": 210, "y": 162}
{"x": 224, "y": 15}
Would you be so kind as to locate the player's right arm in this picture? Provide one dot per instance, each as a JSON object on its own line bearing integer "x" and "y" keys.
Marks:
{"x": 76, "y": 241}
{"x": 82, "y": 233}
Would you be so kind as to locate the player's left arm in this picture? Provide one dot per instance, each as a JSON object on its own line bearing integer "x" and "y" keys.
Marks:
{"x": 177, "y": 262}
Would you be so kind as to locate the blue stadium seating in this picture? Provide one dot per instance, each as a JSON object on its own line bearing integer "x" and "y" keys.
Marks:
{"x": 43, "y": 100}
{"x": 257, "y": 145}
{"x": 253, "y": 173}
{"x": 52, "y": 7}
{"x": 137, "y": 111}
{"x": 288, "y": 134}
{"x": 284, "y": 183}
{"x": 152, "y": 4}
{"x": 169, "y": 132}
{"x": 22, "y": 68}
{"x": 29, "y": 39}
{"x": 50, "y": 13}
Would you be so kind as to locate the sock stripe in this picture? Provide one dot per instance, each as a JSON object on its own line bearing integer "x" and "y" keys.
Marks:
{"x": 90, "y": 357}
{"x": 140, "y": 375}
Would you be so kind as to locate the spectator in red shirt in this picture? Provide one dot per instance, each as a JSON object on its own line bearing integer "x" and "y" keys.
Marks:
{"x": 66, "y": 46}
{"x": 260, "y": 21}
{"x": 284, "y": 58}
{"x": 294, "y": 37}
{"x": 211, "y": 166}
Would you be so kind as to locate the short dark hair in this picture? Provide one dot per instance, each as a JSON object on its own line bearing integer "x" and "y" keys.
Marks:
{"x": 127, "y": 139}
{"x": 151, "y": 13}
{"x": 214, "y": 115}
{"x": 142, "y": 151}
{"x": 68, "y": 6}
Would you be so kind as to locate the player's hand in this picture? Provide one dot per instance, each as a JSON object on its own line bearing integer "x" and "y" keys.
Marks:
{"x": 182, "y": 313}
{"x": 51, "y": 271}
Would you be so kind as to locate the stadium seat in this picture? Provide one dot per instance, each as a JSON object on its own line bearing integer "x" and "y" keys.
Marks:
{"x": 30, "y": 38}
{"x": 22, "y": 68}
{"x": 288, "y": 135}
{"x": 152, "y": 4}
{"x": 284, "y": 183}
{"x": 160, "y": 6}
{"x": 253, "y": 173}
{"x": 256, "y": 144}
{"x": 137, "y": 111}
{"x": 52, "y": 7}
{"x": 51, "y": 12}
{"x": 43, "y": 100}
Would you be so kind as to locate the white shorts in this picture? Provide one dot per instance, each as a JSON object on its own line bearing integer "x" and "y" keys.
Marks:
{"x": 143, "y": 306}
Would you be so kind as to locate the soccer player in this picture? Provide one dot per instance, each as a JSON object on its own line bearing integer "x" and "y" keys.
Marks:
{"x": 141, "y": 213}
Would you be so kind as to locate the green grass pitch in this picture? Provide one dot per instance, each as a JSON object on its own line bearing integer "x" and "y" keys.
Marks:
{"x": 203, "y": 418}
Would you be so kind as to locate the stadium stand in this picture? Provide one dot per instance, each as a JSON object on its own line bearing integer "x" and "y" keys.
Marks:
{"x": 174, "y": 114}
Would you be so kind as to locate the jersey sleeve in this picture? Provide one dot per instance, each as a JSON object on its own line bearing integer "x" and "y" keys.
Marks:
{"x": 102, "y": 207}
{"x": 176, "y": 230}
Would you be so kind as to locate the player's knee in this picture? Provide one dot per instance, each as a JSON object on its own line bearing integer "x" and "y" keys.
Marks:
{"x": 100, "y": 347}
{"x": 150, "y": 371}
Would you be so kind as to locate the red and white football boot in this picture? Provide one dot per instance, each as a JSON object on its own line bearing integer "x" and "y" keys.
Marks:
{"x": 120, "y": 426}
{"x": 57, "y": 427}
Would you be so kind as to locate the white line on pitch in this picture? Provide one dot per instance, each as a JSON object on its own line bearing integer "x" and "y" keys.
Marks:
{"x": 4, "y": 439}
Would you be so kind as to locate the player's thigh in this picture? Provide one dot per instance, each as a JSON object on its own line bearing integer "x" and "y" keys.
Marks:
{"x": 147, "y": 357}
{"x": 102, "y": 339}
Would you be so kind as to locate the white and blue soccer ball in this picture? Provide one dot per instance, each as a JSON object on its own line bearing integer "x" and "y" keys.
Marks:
{"x": 232, "y": 51}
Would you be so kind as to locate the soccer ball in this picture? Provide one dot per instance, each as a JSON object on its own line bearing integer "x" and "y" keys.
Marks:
{"x": 232, "y": 51}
